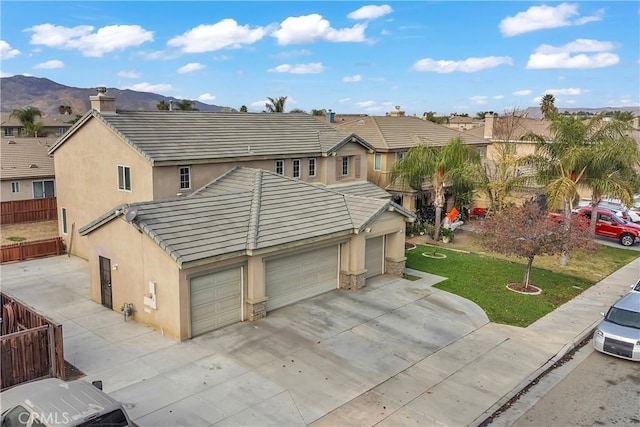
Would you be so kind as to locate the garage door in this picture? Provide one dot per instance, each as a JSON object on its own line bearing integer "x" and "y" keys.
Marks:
{"x": 374, "y": 256}
{"x": 215, "y": 300}
{"x": 300, "y": 276}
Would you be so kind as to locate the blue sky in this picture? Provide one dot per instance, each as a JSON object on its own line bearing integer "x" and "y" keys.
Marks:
{"x": 351, "y": 57}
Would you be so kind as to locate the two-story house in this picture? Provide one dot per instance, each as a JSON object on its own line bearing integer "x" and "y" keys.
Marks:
{"x": 192, "y": 221}
{"x": 26, "y": 169}
{"x": 53, "y": 125}
{"x": 393, "y": 136}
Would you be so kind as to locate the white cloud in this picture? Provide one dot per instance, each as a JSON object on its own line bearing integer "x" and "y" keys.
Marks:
{"x": 148, "y": 87}
{"x": 94, "y": 44}
{"x": 224, "y": 34}
{"x": 191, "y": 67}
{"x": 310, "y": 68}
{"x": 537, "y": 99}
{"x": 343, "y": 100}
{"x": 259, "y": 104}
{"x": 222, "y": 57}
{"x": 567, "y": 91}
{"x": 497, "y": 97}
{"x": 566, "y": 60}
{"x": 206, "y": 97}
{"x": 293, "y": 53}
{"x": 365, "y": 104}
{"x": 523, "y": 92}
{"x": 352, "y": 79}
{"x": 545, "y": 17}
{"x": 157, "y": 54}
{"x": 479, "y": 99}
{"x": 129, "y": 74}
{"x": 370, "y": 12}
{"x": 469, "y": 65}
{"x": 6, "y": 51}
{"x": 49, "y": 65}
{"x": 546, "y": 56}
{"x": 312, "y": 28}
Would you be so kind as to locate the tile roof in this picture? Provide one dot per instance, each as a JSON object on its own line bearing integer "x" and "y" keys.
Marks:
{"x": 246, "y": 210}
{"x": 23, "y": 158}
{"x": 169, "y": 136}
{"x": 395, "y": 133}
{"x": 362, "y": 188}
{"x": 513, "y": 129}
{"x": 49, "y": 120}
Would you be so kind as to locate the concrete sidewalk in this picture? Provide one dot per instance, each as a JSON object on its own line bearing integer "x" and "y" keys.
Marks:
{"x": 394, "y": 353}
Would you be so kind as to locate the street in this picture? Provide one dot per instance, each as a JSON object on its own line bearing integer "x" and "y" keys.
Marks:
{"x": 600, "y": 390}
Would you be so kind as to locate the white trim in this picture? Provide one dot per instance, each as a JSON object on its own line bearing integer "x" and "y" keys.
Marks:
{"x": 124, "y": 167}
{"x": 188, "y": 168}
{"x": 377, "y": 158}
{"x": 293, "y": 168}
{"x": 315, "y": 167}
{"x": 15, "y": 187}
{"x": 281, "y": 162}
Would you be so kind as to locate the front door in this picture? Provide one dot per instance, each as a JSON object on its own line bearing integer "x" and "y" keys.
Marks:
{"x": 105, "y": 282}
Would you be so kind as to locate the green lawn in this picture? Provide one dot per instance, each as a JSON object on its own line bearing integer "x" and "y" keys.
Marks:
{"x": 483, "y": 279}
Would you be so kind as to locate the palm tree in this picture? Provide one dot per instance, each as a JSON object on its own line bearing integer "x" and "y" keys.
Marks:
{"x": 547, "y": 106}
{"x": 594, "y": 154}
{"x": 185, "y": 105}
{"x": 243, "y": 109}
{"x": 276, "y": 105}
{"x": 26, "y": 115}
{"x": 163, "y": 106}
{"x": 33, "y": 128}
{"x": 65, "y": 109}
{"x": 453, "y": 164}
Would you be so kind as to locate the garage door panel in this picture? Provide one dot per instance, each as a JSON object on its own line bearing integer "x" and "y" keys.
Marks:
{"x": 300, "y": 276}
{"x": 374, "y": 256}
{"x": 216, "y": 300}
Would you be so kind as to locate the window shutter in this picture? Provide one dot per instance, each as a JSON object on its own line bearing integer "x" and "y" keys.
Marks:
{"x": 357, "y": 166}
{"x": 338, "y": 168}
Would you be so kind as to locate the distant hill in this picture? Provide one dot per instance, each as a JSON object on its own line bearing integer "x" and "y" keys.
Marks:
{"x": 535, "y": 113}
{"x": 47, "y": 96}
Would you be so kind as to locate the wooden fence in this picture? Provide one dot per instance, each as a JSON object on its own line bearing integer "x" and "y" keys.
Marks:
{"x": 16, "y": 211}
{"x": 31, "y": 345}
{"x": 35, "y": 249}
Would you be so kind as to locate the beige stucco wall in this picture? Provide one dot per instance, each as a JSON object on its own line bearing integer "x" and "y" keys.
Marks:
{"x": 87, "y": 178}
{"x": 136, "y": 260}
{"x": 331, "y": 163}
{"x": 26, "y": 188}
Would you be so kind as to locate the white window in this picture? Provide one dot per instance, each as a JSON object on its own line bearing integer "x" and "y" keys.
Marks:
{"x": 8, "y": 131}
{"x": 42, "y": 189}
{"x": 280, "y": 167}
{"x": 185, "y": 177}
{"x": 15, "y": 187}
{"x": 124, "y": 178}
{"x": 63, "y": 214}
{"x": 401, "y": 155}
{"x": 61, "y": 131}
{"x": 345, "y": 166}
{"x": 296, "y": 168}
{"x": 377, "y": 162}
{"x": 312, "y": 167}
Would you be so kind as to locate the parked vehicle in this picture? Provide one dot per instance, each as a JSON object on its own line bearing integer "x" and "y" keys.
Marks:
{"x": 615, "y": 205}
{"x": 618, "y": 334}
{"x": 53, "y": 402}
{"x": 636, "y": 287}
{"x": 611, "y": 225}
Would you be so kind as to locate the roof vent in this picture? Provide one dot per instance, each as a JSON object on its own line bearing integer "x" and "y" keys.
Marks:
{"x": 12, "y": 142}
{"x": 33, "y": 166}
{"x": 360, "y": 122}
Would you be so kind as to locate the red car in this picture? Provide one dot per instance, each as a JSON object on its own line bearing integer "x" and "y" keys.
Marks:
{"x": 611, "y": 225}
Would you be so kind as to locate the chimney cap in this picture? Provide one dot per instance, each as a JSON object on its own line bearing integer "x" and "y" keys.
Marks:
{"x": 101, "y": 89}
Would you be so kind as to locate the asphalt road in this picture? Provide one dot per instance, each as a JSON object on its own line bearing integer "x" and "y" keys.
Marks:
{"x": 600, "y": 390}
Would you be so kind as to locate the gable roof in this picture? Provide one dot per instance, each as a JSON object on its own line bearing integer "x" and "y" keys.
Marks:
{"x": 511, "y": 128}
{"x": 24, "y": 158}
{"x": 247, "y": 210}
{"x": 395, "y": 133}
{"x": 197, "y": 136}
{"x": 362, "y": 188}
{"x": 47, "y": 120}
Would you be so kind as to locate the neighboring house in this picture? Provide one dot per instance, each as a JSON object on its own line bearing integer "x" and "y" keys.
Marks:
{"x": 249, "y": 242}
{"x": 53, "y": 125}
{"x": 26, "y": 169}
{"x": 461, "y": 123}
{"x": 109, "y": 158}
{"x": 392, "y": 136}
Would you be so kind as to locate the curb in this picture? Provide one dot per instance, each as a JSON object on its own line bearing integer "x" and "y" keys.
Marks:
{"x": 541, "y": 371}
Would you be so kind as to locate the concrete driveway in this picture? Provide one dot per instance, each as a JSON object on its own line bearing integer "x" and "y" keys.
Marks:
{"x": 292, "y": 368}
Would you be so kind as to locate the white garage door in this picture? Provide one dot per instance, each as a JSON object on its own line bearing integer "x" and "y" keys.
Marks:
{"x": 216, "y": 300}
{"x": 300, "y": 276}
{"x": 374, "y": 256}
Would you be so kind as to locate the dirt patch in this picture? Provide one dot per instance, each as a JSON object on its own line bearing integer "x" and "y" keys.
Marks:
{"x": 30, "y": 231}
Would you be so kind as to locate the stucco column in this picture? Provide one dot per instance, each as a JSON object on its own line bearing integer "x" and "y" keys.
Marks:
{"x": 353, "y": 276}
{"x": 394, "y": 259}
{"x": 256, "y": 300}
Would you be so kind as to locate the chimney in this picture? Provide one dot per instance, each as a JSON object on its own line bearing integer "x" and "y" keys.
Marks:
{"x": 488, "y": 125}
{"x": 103, "y": 103}
{"x": 331, "y": 116}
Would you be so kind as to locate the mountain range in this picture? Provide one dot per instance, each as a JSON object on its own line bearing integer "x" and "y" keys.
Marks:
{"x": 48, "y": 96}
